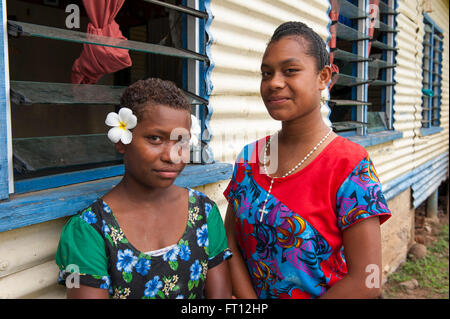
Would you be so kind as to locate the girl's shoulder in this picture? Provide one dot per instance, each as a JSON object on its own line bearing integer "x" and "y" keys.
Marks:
{"x": 196, "y": 196}
{"x": 205, "y": 204}
{"x": 339, "y": 149}
{"x": 90, "y": 217}
{"x": 346, "y": 148}
{"x": 249, "y": 152}
{"x": 83, "y": 227}
{"x": 344, "y": 153}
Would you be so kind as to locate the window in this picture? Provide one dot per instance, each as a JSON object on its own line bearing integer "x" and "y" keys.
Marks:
{"x": 58, "y": 131}
{"x": 432, "y": 76}
{"x": 362, "y": 54}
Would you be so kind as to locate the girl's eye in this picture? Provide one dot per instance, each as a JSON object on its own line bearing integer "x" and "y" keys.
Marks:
{"x": 265, "y": 74}
{"x": 154, "y": 139}
{"x": 291, "y": 71}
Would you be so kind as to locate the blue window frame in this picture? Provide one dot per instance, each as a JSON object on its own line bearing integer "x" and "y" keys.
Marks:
{"x": 84, "y": 183}
{"x": 432, "y": 77}
{"x": 362, "y": 92}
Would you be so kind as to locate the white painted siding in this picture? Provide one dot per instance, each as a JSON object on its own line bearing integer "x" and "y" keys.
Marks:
{"x": 399, "y": 157}
{"x": 27, "y": 261}
{"x": 241, "y": 30}
{"x": 436, "y": 144}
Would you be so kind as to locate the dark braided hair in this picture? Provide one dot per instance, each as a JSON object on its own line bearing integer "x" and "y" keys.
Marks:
{"x": 153, "y": 91}
{"x": 316, "y": 47}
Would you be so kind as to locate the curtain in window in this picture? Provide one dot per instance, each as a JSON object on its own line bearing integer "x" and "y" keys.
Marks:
{"x": 374, "y": 14}
{"x": 334, "y": 16}
{"x": 96, "y": 60}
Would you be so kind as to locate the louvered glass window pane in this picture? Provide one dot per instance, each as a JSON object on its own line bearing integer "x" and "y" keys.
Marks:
{"x": 35, "y": 30}
{"x": 28, "y": 93}
{"x": 382, "y": 53}
{"x": 350, "y": 10}
{"x": 180, "y": 8}
{"x": 432, "y": 75}
{"x": 385, "y": 8}
{"x": 346, "y": 56}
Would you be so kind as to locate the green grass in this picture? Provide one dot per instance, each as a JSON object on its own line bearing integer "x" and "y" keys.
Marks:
{"x": 431, "y": 272}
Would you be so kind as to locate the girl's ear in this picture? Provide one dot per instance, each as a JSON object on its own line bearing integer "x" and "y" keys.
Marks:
{"x": 324, "y": 77}
{"x": 120, "y": 147}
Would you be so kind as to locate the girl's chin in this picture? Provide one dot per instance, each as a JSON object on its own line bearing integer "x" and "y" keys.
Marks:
{"x": 280, "y": 115}
{"x": 291, "y": 114}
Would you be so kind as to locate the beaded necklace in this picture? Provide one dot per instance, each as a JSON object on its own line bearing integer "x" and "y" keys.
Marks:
{"x": 263, "y": 211}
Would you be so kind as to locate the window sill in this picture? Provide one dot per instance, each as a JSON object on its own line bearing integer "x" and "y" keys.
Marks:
{"x": 37, "y": 207}
{"x": 376, "y": 138}
{"x": 430, "y": 130}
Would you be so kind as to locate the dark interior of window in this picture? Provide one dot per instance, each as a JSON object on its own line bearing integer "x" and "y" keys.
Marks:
{"x": 57, "y": 127}
{"x": 344, "y": 102}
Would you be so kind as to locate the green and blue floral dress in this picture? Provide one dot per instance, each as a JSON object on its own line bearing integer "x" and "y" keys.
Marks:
{"x": 93, "y": 245}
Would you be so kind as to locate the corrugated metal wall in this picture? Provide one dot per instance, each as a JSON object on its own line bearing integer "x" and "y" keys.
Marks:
{"x": 241, "y": 30}
{"x": 395, "y": 159}
{"x": 437, "y": 145}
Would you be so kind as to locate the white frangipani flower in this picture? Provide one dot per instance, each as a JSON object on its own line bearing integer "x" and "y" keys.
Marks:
{"x": 195, "y": 131}
{"x": 122, "y": 123}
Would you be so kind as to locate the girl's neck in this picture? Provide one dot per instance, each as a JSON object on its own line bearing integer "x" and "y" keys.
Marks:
{"x": 302, "y": 130}
{"x": 138, "y": 193}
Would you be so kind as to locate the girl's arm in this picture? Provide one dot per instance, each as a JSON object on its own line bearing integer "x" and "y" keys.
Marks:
{"x": 240, "y": 279}
{"x": 86, "y": 292}
{"x": 218, "y": 285}
{"x": 362, "y": 247}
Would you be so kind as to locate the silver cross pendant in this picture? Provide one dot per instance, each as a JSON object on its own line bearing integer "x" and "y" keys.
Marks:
{"x": 263, "y": 212}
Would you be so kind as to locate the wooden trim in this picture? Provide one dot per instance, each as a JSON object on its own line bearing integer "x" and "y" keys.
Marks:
{"x": 51, "y": 204}
{"x": 6, "y": 185}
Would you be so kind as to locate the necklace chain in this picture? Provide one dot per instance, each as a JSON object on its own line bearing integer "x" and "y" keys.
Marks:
{"x": 263, "y": 210}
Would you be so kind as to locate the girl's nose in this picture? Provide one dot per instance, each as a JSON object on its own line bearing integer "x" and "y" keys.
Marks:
{"x": 277, "y": 81}
{"x": 175, "y": 152}
{"x": 166, "y": 153}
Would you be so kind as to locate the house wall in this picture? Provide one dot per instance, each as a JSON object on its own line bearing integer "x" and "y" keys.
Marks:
{"x": 27, "y": 268}
{"x": 27, "y": 261}
{"x": 414, "y": 152}
{"x": 397, "y": 233}
{"x": 430, "y": 147}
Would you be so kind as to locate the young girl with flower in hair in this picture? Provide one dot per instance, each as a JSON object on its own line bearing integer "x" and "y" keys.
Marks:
{"x": 148, "y": 238}
{"x": 309, "y": 227}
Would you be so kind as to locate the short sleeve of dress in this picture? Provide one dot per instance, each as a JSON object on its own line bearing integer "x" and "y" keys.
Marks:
{"x": 237, "y": 176}
{"x": 218, "y": 243}
{"x": 229, "y": 191}
{"x": 81, "y": 249}
{"x": 360, "y": 196}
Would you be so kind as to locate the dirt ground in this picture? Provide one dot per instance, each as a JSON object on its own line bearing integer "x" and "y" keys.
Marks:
{"x": 426, "y": 232}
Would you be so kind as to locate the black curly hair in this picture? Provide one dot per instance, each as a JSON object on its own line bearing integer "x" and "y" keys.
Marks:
{"x": 316, "y": 48}
{"x": 153, "y": 91}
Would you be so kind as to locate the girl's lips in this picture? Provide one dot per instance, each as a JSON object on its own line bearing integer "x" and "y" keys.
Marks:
{"x": 278, "y": 100}
{"x": 167, "y": 174}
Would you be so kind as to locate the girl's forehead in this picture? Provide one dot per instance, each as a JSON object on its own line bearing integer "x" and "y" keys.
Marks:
{"x": 160, "y": 111}
{"x": 164, "y": 117}
{"x": 297, "y": 44}
{"x": 287, "y": 48}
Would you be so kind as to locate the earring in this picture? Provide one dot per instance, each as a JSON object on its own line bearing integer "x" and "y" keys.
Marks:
{"x": 323, "y": 100}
